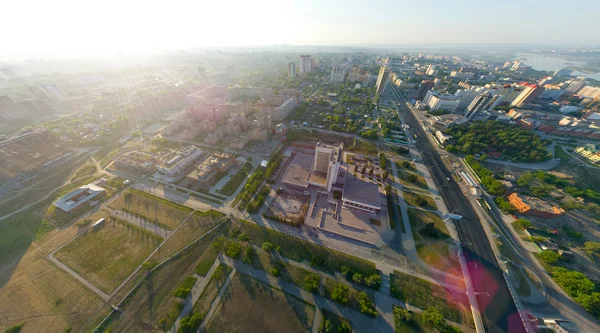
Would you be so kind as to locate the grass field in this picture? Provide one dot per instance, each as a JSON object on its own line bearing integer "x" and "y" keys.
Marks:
{"x": 108, "y": 254}
{"x": 194, "y": 227}
{"x": 432, "y": 240}
{"x": 164, "y": 213}
{"x": 419, "y": 180}
{"x": 353, "y": 302}
{"x": 212, "y": 289}
{"x": 289, "y": 273}
{"x": 250, "y": 306}
{"x": 423, "y": 294}
{"x": 560, "y": 153}
{"x": 335, "y": 320}
{"x": 419, "y": 200}
{"x": 408, "y": 165}
{"x": 415, "y": 325}
{"x": 35, "y": 292}
{"x": 152, "y": 306}
{"x": 299, "y": 250}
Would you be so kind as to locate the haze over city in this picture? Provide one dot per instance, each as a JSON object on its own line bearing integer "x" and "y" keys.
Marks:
{"x": 69, "y": 27}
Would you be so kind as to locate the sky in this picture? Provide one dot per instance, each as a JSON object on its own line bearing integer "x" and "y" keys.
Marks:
{"x": 69, "y": 27}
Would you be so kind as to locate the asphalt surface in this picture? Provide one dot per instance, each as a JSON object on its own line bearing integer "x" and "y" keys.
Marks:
{"x": 497, "y": 307}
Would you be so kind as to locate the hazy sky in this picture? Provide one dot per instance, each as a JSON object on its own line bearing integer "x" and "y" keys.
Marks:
{"x": 103, "y": 27}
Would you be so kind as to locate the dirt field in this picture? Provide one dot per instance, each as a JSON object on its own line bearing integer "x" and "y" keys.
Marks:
{"x": 290, "y": 206}
{"x": 108, "y": 254}
{"x": 164, "y": 213}
{"x": 196, "y": 226}
{"x": 250, "y": 306}
{"x": 152, "y": 307}
{"x": 46, "y": 299}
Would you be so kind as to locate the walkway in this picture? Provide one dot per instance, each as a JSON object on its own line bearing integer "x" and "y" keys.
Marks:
{"x": 384, "y": 303}
{"x": 195, "y": 293}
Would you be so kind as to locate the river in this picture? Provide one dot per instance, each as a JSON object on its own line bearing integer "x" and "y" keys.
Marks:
{"x": 546, "y": 63}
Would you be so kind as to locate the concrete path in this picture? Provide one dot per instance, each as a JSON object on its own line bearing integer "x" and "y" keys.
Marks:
{"x": 384, "y": 322}
{"x": 195, "y": 293}
{"x": 105, "y": 297}
{"x": 215, "y": 304}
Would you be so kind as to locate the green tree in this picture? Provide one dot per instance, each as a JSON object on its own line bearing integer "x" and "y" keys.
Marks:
{"x": 433, "y": 317}
{"x": 550, "y": 257}
{"x": 574, "y": 283}
{"x": 344, "y": 327}
{"x": 591, "y": 247}
{"x": 267, "y": 247}
{"x": 326, "y": 326}
{"x": 357, "y": 278}
{"x": 311, "y": 282}
{"x": 373, "y": 280}
{"x": 15, "y": 328}
{"x": 591, "y": 303}
{"x": 402, "y": 314}
{"x": 340, "y": 293}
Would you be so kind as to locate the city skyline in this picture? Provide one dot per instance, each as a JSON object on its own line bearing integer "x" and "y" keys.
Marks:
{"x": 67, "y": 27}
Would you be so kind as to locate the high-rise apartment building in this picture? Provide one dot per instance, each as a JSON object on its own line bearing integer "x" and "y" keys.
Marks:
{"x": 338, "y": 73}
{"x": 529, "y": 91}
{"x": 430, "y": 70}
{"x": 384, "y": 74}
{"x": 291, "y": 69}
{"x": 479, "y": 104}
{"x": 425, "y": 86}
{"x": 54, "y": 92}
{"x": 574, "y": 85}
{"x": 441, "y": 102}
{"x": 327, "y": 161}
{"x": 305, "y": 63}
{"x": 10, "y": 109}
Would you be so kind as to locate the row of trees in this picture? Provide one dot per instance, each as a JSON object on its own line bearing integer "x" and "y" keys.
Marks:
{"x": 234, "y": 182}
{"x": 493, "y": 185}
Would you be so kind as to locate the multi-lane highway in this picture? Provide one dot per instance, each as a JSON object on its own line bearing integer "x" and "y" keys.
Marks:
{"x": 493, "y": 296}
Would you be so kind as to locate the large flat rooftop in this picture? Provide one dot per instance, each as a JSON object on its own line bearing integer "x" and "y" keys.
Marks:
{"x": 299, "y": 170}
{"x": 360, "y": 191}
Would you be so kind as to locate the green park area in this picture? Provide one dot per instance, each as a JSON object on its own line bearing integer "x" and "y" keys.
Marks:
{"x": 107, "y": 254}
{"x": 164, "y": 213}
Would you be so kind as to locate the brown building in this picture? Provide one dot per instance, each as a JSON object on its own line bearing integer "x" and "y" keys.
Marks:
{"x": 533, "y": 206}
{"x": 206, "y": 171}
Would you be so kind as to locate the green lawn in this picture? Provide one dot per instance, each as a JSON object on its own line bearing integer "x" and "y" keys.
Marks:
{"x": 424, "y": 294}
{"x": 419, "y": 200}
{"x": 419, "y": 180}
{"x": 353, "y": 300}
{"x": 408, "y": 165}
{"x": 300, "y": 250}
{"x": 335, "y": 320}
{"x": 164, "y": 213}
{"x": 289, "y": 273}
{"x": 108, "y": 254}
{"x": 415, "y": 325}
{"x": 432, "y": 240}
{"x": 193, "y": 228}
{"x": 560, "y": 153}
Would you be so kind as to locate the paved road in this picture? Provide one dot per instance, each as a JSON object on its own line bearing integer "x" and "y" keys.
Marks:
{"x": 497, "y": 306}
